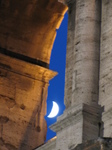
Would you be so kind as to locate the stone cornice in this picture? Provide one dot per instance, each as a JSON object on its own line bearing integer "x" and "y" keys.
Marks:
{"x": 26, "y": 69}
{"x": 73, "y": 115}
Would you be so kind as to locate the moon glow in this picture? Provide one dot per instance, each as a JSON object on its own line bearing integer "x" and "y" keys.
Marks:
{"x": 54, "y": 110}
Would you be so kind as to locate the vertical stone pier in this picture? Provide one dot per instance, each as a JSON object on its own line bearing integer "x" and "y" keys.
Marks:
{"x": 105, "y": 98}
{"x": 23, "y": 93}
{"x": 81, "y": 119}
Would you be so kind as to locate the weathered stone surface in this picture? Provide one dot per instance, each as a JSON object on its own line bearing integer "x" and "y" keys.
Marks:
{"x": 78, "y": 124}
{"x": 83, "y": 49}
{"x": 29, "y": 27}
{"x": 99, "y": 144}
{"x": 105, "y": 90}
{"x": 27, "y": 32}
{"x": 50, "y": 145}
{"x": 23, "y": 93}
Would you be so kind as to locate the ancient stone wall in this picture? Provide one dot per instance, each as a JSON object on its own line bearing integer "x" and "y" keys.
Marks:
{"x": 105, "y": 93}
{"x": 23, "y": 93}
{"x": 27, "y": 32}
{"x": 99, "y": 144}
{"x": 83, "y": 49}
{"x": 29, "y": 27}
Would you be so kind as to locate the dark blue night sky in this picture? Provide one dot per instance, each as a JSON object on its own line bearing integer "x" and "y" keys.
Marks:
{"x": 57, "y": 63}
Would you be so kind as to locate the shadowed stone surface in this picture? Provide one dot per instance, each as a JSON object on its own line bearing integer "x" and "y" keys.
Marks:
{"x": 100, "y": 144}
{"x": 105, "y": 86}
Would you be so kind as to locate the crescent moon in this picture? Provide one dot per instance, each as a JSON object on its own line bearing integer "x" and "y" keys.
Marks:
{"x": 54, "y": 111}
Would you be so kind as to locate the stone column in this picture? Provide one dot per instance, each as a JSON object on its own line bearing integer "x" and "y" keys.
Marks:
{"x": 80, "y": 121}
{"x": 82, "y": 67}
{"x": 105, "y": 93}
{"x": 23, "y": 93}
{"x": 69, "y": 53}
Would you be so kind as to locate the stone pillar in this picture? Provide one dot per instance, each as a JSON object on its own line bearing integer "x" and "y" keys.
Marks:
{"x": 69, "y": 53}
{"x": 23, "y": 93}
{"x": 105, "y": 93}
{"x": 80, "y": 121}
{"x": 82, "y": 66}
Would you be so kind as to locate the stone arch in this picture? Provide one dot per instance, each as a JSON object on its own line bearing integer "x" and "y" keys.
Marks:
{"x": 27, "y": 33}
{"x": 29, "y": 27}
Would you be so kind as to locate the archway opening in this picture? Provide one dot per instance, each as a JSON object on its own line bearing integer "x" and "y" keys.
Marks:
{"x": 57, "y": 63}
